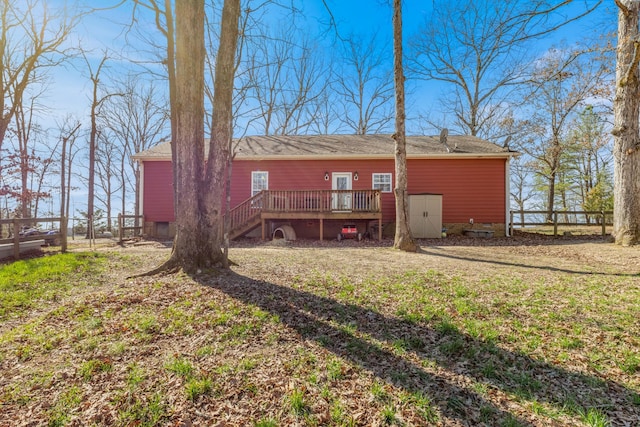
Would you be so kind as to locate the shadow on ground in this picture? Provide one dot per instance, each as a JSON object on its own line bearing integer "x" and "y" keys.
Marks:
{"x": 366, "y": 338}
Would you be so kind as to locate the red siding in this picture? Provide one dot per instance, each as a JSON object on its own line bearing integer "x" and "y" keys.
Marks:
{"x": 158, "y": 192}
{"x": 471, "y": 188}
{"x": 308, "y": 175}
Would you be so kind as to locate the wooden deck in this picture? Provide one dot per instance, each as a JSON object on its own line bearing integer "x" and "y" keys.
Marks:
{"x": 305, "y": 204}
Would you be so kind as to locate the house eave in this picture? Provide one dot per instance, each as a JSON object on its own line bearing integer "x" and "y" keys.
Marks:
{"x": 505, "y": 155}
{"x": 365, "y": 157}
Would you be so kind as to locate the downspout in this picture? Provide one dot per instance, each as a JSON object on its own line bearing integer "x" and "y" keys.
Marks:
{"x": 141, "y": 193}
{"x": 507, "y": 196}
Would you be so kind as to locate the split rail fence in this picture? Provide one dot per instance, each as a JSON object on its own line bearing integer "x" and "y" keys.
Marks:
{"x": 18, "y": 230}
{"x": 526, "y": 218}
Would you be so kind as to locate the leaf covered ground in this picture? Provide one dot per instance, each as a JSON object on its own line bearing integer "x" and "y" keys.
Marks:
{"x": 497, "y": 332}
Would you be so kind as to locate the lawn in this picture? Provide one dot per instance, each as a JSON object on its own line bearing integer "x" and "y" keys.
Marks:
{"x": 496, "y": 333}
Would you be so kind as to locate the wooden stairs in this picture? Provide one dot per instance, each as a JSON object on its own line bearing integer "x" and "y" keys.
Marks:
{"x": 302, "y": 204}
{"x": 246, "y": 216}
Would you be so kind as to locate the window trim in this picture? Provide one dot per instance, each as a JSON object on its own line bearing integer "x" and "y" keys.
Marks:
{"x": 253, "y": 175}
{"x": 373, "y": 181}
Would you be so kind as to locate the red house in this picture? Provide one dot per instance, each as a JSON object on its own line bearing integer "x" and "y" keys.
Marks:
{"x": 316, "y": 184}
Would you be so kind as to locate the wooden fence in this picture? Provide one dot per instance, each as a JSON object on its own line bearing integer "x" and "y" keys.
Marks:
{"x": 16, "y": 237}
{"x": 525, "y": 219}
{"x": 124, "y": 222}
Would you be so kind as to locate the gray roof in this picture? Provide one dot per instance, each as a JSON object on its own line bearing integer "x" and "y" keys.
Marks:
{"x": 354, "y": 146}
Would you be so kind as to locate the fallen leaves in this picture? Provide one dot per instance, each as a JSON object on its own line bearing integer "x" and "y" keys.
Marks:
{"x": 461, "y": 334}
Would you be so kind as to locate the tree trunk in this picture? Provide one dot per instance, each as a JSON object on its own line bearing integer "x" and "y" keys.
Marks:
{"x": 626, "y": 149}
{"x": 403, "y": 239}
{"x": 199, "y": 187}
{"x": 93, "y": 135}
{"x": 551, "y": 196}
{"x": 222, "y": 131}
{"x": 191, "y": 244}
{"x": 171, "y": 71}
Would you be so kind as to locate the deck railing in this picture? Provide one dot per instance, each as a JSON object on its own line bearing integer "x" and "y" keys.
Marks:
{"x": 246, "y": 212}
{"x": 322, "y": 201}
{"x": 297, "y": 201}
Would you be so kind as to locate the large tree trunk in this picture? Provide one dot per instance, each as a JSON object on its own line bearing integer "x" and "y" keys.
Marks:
{"x": 221, "y": 132}
{"x": 191, "y": 245}
{"x": 403, "y": 239}
{"x": 199, "y": 189}
{"x": 626, "y": 150}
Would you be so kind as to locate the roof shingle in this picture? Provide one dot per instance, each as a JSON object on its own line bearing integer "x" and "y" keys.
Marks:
{"x": 358, "y": 146}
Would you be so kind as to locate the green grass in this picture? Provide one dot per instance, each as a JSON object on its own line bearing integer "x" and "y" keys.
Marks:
{"x": 297, "y": 402}
{"x": 143, "y": 411}
{"x": 180, "y": 366}
{"x": 266, "y": 422}
{"x": 67, "y": 401}
{"x": 196, "y": 387}
{"x": 404, "y": 348}
{"x": 27, "y": 283}
{"x": 93, "y": 367}
{"x": 135, "y": 375}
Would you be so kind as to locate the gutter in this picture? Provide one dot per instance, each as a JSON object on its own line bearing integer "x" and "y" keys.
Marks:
{"x": 351, "y": 156}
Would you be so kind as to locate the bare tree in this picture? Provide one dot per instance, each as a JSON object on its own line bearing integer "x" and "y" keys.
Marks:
{"x": 589, "y": 160}
{"x": 478, "y": 49}
{"x": 136, "y": 120}
{"x": 96, "y": 102}
{"x": 403, "y": 239}
{"x": 626, "y": 148}
{"x": 365, "y": 86}
{"x": 24, "y": 130}
{"x": 110, "y": 177}
{"x": 287, "y": 79}
{"x": 560, "y": 84}
{"x": 68, "y": 134}
{"x": 218, "y": 174}
{"x": 521, "y": 188}
{"x": 31, "y": 38}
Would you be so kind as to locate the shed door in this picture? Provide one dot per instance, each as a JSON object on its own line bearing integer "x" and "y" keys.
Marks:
{"x": 425, "y": 215}
{"x": 341, "y": 199}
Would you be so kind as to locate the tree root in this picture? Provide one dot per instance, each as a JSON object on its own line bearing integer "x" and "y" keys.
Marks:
{"x": 170, "y": 266}
{"x": 173, "y": 265}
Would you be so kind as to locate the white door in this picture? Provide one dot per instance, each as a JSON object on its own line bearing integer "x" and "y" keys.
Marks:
{"x": 341, "y": 200}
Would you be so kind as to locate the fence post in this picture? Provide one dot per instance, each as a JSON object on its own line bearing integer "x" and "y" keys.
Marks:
{"x": 63, "y": 233}
{"x": 16, "y": 240}
{"x": 120, "y": 230}
{"x": 555, "y": 223}
{"x": 510, "y": 223}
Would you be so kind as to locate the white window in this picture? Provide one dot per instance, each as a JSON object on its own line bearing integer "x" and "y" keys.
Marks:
{"x": 259, "y": 182}
{"x": 382, "y": 182}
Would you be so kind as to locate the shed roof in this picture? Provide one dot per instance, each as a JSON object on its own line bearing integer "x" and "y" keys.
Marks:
{"x": 350, "y": 146}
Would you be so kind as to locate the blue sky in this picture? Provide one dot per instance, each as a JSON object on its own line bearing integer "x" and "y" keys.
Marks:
{"x": 70, "y": 87}
{"x": 104, "y": 30}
